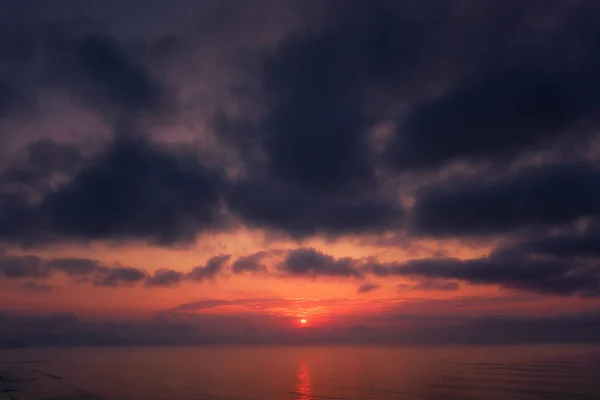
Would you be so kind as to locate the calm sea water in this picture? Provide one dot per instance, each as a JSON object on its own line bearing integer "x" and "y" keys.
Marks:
{"x": 310, "y": 373}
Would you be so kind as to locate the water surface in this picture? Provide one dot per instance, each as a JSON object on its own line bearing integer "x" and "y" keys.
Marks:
{"x": 315, "y": 373}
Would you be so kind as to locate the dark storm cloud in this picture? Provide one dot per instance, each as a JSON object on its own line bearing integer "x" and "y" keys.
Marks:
{"x": 478, "y": 82}
{"x": 572, "y": 244}
{"x": 512, "y": 83}
{"x": 529, "y": 87}
{"x": 214, "y": 266}
{"x": 545, "y": 276}
{"x": 137, "y": 190}
{"x": 309, "y": 262}
{"x": 111, "y": 79}
{"x": 10, "y": 99}
{"x": 315, "y": 133}
{"x": 305, "y": 213}
{"x": 103, "y": 71}
{"x": 458, "y": 81}
{"x": 307, "y": 143}
{"x": 539, "y": 197}
{"x": 368, "y": 287}
{"x": 33, "y": 169}
{"x": 165, "y": 278}
{"x": 252, "y": 263}
{"x": 133, "y": 189}
{"x": 505, "y": 113}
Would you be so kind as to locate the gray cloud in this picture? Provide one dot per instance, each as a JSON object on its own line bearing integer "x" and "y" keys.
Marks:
{"x": 252, "y": 263}
{"x": 213, "y": 267}
{"x": 367, "y": 287}
{"x": 313, "y": 263}
{"x": 118, "y": 276}
{"x": 165, "y": 278}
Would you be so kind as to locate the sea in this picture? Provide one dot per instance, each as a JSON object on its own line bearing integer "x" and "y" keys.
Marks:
{"x": 302, "y": 373}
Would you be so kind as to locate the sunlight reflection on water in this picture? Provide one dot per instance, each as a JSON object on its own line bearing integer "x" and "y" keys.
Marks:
{"x": 304, "y": 386}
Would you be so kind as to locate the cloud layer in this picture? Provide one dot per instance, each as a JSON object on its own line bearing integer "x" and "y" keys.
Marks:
{"x": 316, "y": 125}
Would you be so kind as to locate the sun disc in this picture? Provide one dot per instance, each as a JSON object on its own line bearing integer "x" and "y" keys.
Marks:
{"x": 303, "y": 321}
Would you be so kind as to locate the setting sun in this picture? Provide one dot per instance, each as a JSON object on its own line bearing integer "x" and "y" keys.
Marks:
{"x": 303, "y": 321}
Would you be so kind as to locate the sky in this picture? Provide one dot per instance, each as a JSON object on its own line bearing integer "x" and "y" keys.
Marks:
{"x": 189, "y": 172}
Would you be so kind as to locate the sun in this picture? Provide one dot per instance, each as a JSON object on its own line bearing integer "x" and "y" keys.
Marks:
{"x": 303, "y": 321}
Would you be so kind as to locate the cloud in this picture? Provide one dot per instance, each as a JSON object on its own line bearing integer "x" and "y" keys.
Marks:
{"x": 313, "y": 263}
{"x": 252, "y": 263}
{"x": 268, "y": 204}
{"x": 165, "y": 278}
{"x": 103, "y": 201}
{"x": 367, "y": 287}
{"x": 180, "y": 196}
{"x": 566, "y": 245}
{"x": 213, "y": 267}
{"x": 76, "y": 267}
{"x": 118, "y": 276}
{"x": 523, "y": 273}
{"x": 94, "y": 66}
{"x": 81, "y": 270}
{"x": 18, "y": 267}
{"x": 518, "y": 109}
{"x": 36, "y": 287}
{"x": 110, "y": 78}
{"x": 543, "y": 197}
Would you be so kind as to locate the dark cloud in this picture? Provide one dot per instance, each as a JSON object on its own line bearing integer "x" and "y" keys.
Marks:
{"x": 118, "y": 276}
{"x": 111, "y": 79}
{"x": 505, "y": 113}
{"x": 36, "y": 287}
{"x": 18, "y": 267}
{"x": 136, "y": 190}
{"x": 213, "y": 267}
{"x": 10, "y": 98}
{"x": 252, "y": 263}
{"x": 307, "y": 143}
{"x": 81, "y": 270}
{"x": 368, "y": 287}
{"x": 304, "y": 213}
{"x": 309, "y": 262}
{"x": 581, "y": 244}
{"x": 76, "y": 267}
{"x": 165, "y": 278}
{"x": 538, "y": 197}
{"x": 33, "y": 170}
{"x": 133, "y": 189}
{"x": 544, "y": 276}
{"x": 460, "y": 82}
{"x": 527, "y": 89}
{"x": 109, "y": 75}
